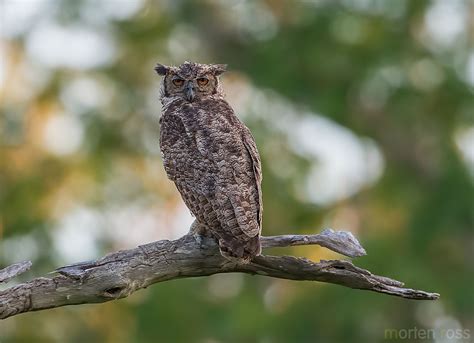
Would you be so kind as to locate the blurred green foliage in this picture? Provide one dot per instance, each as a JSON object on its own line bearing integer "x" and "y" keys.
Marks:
{"x": 398, "y": 74}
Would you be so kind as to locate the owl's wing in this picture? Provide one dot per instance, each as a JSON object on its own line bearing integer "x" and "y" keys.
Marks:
{"x": 237, "y": 201}
{"x": 241, "y": 199}
{"x": 251, "y": 148}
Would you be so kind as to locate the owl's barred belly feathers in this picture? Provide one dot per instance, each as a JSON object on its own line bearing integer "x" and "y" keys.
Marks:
{"x": 213, "y": 160}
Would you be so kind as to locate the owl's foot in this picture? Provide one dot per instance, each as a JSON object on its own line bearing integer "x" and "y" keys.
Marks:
{"x": 198, "y": 228}
{"x": 199, "y": 231}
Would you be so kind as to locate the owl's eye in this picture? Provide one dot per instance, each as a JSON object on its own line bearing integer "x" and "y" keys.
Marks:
{"x": 178, "y": 82}
{"x": 202, "y": 81}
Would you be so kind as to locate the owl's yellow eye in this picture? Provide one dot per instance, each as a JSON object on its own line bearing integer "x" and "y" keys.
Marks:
{"x": 202, "y": 81}
{"x": 178, "y": 82}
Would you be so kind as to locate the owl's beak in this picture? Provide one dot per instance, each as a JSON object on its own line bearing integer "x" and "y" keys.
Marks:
{"x": 189, "y": 91}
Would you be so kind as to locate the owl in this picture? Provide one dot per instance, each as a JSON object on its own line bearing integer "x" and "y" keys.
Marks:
{"x": 211, "y": 157}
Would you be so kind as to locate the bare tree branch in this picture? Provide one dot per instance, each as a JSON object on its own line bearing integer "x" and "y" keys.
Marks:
{"x": 121, "y": 273}
{"x": 342, "y": 242}
{"x": 14, "y": 270}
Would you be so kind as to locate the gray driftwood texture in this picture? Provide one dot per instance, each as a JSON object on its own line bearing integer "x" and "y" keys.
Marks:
{"x": 121, "y": 273}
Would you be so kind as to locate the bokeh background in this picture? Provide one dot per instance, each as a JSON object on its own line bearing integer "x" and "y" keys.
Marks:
{"x": 363, "y": 112}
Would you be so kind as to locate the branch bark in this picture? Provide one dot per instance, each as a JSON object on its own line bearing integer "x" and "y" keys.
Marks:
{"x": 121, "y": 273}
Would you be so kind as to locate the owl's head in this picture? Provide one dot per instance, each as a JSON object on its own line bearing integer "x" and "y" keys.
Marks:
{"x": 190, "y": 81}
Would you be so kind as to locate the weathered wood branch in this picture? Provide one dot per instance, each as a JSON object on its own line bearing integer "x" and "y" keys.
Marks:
{"x": 342, "y": 242}
{"x": 14, "y": 270}
{"x": 121, "y": 273}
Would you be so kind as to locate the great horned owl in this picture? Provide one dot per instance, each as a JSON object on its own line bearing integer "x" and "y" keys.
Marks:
{"x": 212, "y": 158}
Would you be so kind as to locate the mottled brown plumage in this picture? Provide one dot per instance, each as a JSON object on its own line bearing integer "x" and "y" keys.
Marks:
{"x": 212, "y": 158}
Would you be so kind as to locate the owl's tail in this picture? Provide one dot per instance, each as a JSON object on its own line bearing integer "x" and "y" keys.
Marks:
{"x": 240, "y": 251}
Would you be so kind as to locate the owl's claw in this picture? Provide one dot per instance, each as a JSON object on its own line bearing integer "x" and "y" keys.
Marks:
{"x": 198, "y": 238}
{"x": 199, "y": 232}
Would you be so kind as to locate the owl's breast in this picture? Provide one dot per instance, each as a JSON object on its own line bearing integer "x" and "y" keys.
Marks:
{"x": 182, "y": 158}
{"x": 174, "y": 144}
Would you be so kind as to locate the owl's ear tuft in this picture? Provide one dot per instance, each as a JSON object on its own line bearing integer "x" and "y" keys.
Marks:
{"x": 218, "y": 69}
{"x": 161, "y": 69}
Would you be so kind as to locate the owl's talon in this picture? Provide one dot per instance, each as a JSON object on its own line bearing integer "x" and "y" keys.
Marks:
{"x": 198, "y": 239}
